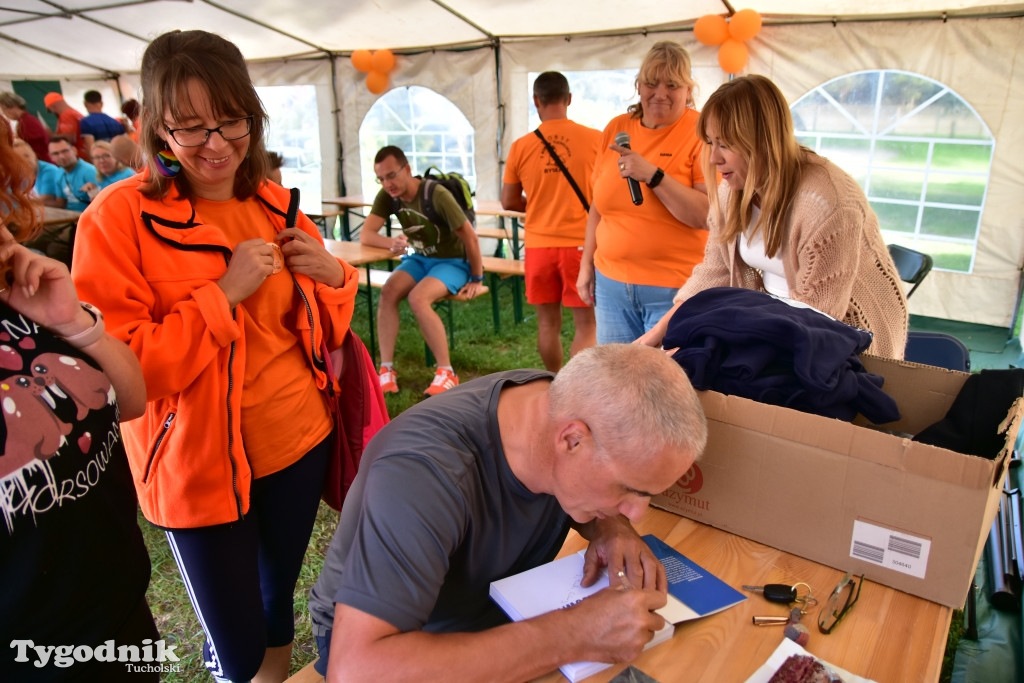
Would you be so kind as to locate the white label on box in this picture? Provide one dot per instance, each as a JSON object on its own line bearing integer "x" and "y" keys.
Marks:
{"x": 890, "y": 549}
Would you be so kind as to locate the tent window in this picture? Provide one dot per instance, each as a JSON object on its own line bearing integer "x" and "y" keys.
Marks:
{"x": 427, "y": 126}
{"x": 921, "y": 153}
{"x": 294, "y": 133}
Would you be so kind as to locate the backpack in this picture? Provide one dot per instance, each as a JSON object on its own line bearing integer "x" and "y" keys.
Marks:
{"x": 454, "y": 183}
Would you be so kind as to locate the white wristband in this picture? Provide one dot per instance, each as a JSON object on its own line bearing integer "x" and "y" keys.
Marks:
{"x": 89, "y": 335}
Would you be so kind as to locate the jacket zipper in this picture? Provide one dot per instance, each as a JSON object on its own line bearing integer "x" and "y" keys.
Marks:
{"x": 231, "y": 429}
{"x": 156, "y": 446}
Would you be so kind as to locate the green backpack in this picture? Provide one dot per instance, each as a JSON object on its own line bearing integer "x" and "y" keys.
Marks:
{"x": 454, "y": 183}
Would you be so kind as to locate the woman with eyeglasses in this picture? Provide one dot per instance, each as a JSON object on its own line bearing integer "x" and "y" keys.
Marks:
{"x": 108, "y": 169}
{"x": 197, "y": 265}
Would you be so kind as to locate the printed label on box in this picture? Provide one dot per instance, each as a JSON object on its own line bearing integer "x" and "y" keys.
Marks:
{"x": 890, "y": 549}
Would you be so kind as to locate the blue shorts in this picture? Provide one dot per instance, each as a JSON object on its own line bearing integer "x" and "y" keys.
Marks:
{"x": 453, "y": 272}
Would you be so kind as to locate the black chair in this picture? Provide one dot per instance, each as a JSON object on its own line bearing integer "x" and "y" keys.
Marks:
{"x": 911, "y": 265}
{"x": 939, "y": 349}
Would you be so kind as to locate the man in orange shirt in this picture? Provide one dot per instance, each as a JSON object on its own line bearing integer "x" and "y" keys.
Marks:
{"x": 556, "y": 214}
{"x": 68, "y": 121}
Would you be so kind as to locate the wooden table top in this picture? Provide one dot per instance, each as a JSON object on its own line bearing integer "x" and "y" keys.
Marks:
{"x": 55, "y": 216}
{"x": 356, "y": 253}
{"x": 888, "y": 636}
{"x": 352, "y": 201}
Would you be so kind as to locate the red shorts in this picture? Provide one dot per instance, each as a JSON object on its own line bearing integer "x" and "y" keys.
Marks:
{"x": 551, "y": 274}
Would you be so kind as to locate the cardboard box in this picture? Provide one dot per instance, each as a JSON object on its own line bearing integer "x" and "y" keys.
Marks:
{"x": 850, "y": 495}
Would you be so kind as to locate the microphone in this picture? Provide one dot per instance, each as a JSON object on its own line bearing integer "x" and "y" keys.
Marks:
{"x": 622, "y": 140}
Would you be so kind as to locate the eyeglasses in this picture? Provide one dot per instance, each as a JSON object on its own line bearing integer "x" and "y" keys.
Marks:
{"x": 841, "y": 601}
{"x": 387, "y": 178}
{"x": 197, "y": 136}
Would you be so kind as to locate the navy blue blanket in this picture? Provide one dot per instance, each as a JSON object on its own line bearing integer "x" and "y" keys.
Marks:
{"x": 748, "y": 343}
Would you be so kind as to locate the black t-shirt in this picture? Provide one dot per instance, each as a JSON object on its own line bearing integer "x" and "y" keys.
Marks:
{"x": 73, "y": 564}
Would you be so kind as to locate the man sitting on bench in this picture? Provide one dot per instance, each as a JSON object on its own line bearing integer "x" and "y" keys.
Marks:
{"x": 445, "y": 260}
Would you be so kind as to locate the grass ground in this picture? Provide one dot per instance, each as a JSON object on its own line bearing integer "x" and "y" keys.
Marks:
{"x": 478, "y": 351}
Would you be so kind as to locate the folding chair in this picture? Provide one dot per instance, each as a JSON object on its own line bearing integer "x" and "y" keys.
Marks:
{"x": 939, "y": 349}
{"x": 911, "y": 265}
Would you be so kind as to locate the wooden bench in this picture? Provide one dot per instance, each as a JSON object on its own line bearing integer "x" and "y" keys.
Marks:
{"x": 505, "y": 272}
{"x": 378, "y": 277}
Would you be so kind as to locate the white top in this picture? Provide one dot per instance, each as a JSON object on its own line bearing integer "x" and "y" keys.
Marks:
{"x": 773, "y": 273}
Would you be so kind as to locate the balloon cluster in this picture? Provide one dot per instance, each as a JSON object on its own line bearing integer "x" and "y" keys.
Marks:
{"x": 377, "y": 66}
{"x": 731, "y": 36}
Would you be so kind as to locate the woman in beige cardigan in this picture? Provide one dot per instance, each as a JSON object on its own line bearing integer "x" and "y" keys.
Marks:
{"x": 789, "y": 222}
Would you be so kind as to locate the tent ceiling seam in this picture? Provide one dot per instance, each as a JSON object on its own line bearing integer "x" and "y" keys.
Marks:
{"x": 269, "y": 27}
{"x": 107, "y": 74}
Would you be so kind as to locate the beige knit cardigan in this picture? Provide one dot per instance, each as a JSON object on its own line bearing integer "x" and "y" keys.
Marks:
{"x": 833, "y": 254}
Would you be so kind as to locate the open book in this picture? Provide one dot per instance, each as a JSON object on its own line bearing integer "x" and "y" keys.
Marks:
{"x": 693, "y": 593}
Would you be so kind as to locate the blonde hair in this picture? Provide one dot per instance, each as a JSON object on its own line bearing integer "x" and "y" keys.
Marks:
{"x": 103, "y": 144}
{"x": 753, "y": 119}
{"x": 669, "y": 62}
{"x": 169, "y": 64}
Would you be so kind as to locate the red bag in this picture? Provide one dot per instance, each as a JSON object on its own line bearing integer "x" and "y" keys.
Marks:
{"x": 358, "y": 410}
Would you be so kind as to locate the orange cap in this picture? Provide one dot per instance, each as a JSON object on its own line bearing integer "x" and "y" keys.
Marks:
{"x": 52, "y": 98}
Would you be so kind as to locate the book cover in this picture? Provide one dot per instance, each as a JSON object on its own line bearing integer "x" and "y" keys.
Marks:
{"x": 697, "y": 591}
{"x": 556, "y": 585}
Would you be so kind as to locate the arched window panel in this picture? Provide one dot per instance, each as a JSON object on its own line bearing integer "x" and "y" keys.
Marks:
{"x": 427, "y": 126}
{"x": 294, "y": 133}
{"x": 921, "y": 153}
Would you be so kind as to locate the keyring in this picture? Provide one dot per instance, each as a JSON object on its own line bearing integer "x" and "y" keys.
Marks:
{"x": 279, "y": 257}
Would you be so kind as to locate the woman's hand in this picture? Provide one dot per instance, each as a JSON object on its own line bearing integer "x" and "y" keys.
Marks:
{"x": 304, "y": 254}
{"x": 252, "y": 262}
{"x": 585, "y": 282}
{"x": 39, "y": 287}
{"x": 633, "y": 165}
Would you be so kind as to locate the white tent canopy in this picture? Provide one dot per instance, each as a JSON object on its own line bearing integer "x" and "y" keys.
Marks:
{"x": 479, "y": 55}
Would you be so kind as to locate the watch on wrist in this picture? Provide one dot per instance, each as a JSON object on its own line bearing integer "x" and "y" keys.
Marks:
{"x": 91, "y": 334}
{"x": 476, "y": 278}
{"x": 656, "y": 179}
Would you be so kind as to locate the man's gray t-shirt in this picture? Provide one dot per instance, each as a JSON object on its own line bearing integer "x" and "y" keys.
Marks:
{"x": 434, "y": 515}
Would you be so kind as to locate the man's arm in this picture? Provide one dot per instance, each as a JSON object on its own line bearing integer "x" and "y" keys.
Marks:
{"x": 512, "y": 197}
{"x": 370, "y": 235}
{"x": 611, "y": 626}
{"x": 55, "y": 202}
{"x": 469, "y": 239}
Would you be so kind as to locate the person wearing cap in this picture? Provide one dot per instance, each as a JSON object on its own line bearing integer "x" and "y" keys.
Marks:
{"x": 29, "y": 128}
{"x": 68, "y": 119}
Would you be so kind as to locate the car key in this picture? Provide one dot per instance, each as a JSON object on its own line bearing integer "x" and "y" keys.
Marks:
{"x": 775, "y": 592}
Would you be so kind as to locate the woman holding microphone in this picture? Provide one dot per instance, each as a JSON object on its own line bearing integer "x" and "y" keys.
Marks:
{"x": 645, "y": 235}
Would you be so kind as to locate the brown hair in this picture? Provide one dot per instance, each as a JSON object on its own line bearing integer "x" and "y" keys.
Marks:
{"x": 550, "y": 87}
{"x": 16, "y": 208}
{"x": 169, "y": 64}
{"x": 753, "y": 119}
{"x": 666, "y": 61}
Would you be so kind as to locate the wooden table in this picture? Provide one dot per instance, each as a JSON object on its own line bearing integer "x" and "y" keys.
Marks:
{"x": 55, "y": 216}
{"x": 358, "y": 254}
{"x": 489, "y": 207}
{"x": 888, "y": 636}
{"x": 348, "y": 204}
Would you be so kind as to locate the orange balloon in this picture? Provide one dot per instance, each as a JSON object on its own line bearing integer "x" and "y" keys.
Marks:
{"x": 744, "y": 25}
{"x": 377, "y": 82}
{"x": 711, "y": 29}
{"x": 362, "y": 60}
{"x": 732, "y": 56}
{"x": 383, "y": 61}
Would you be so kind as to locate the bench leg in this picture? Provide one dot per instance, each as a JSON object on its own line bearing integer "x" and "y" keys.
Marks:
{"x": 495, "y": 304}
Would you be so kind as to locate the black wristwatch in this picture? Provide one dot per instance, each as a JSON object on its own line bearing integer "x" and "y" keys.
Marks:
{"x": 656, "y": 179}
{"x": 476, "y": 278}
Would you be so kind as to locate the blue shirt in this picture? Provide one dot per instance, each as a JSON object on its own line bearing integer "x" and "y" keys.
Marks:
{"x": 115, "y": 176}
{"x": 72, "y": 182}
{"x": 49, "y": 179}
{"x": 100, "y": 126}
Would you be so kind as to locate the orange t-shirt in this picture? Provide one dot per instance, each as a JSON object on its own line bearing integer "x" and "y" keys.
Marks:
{"x": 554, "y": 214}
{"x": 283, "y": 413}
{"x": 646, "y": 245}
